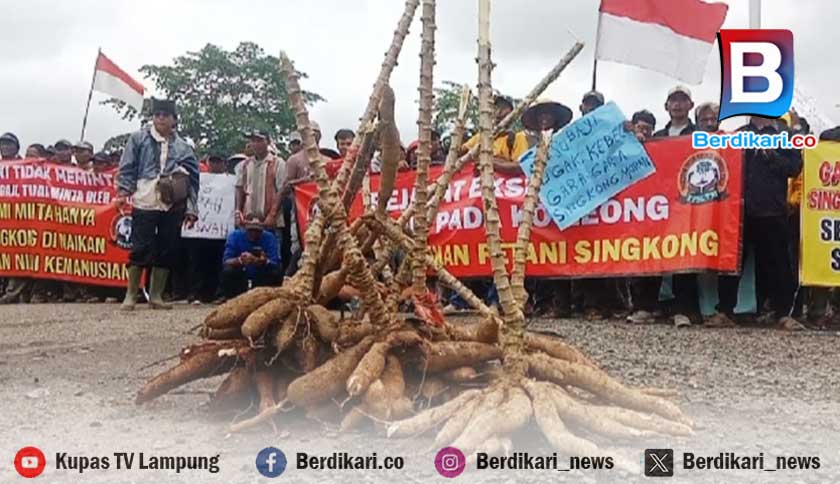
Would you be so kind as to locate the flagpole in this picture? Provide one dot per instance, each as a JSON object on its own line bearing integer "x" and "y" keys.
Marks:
{"x": 595, "y": 60}
{"x": 90, "y": 94}
{"x": 755, "y": 14}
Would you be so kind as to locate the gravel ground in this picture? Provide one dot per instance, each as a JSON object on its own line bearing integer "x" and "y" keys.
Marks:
{"x": 69, "y": 374}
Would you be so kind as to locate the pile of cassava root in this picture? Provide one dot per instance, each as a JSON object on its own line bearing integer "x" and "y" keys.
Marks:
{"x": 476, "y": 383}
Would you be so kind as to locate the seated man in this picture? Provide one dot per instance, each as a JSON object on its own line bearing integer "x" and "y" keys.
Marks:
{"x": 251, "y": 258}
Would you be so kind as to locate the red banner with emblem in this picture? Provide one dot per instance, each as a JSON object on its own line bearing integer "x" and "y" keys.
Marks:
{"x": 58, "y": 222}
{"x": 684, "y": 218}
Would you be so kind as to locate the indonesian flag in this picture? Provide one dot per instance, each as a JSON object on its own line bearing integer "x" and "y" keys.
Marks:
{"x": 673, "y": 37}
{"x": 112, "y": 80}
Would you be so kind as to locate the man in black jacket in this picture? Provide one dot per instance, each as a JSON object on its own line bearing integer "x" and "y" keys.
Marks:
{"x": 766, "y": 228}
{"x": 679, "y": 106}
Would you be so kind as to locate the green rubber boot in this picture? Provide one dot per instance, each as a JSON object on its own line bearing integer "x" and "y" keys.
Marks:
{"x": 134, "y": 276}
{"x": 156, "y": 288}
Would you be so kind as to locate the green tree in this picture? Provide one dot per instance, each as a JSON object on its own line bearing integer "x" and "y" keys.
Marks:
{"x": 222, "y": 93}
{"x": 116, "y": 143}
{"x": 447, "y": 102}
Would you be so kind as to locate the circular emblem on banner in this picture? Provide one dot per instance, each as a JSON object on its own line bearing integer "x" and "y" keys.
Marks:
{"x": 121, "y": 231}
{"x": 703, "y": 178}
{"x": 314, "y": 208}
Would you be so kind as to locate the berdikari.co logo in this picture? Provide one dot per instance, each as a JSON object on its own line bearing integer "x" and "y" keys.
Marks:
{"x": 756, "y": 72}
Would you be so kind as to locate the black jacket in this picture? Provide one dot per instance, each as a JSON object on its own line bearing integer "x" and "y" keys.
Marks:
{"x": 766, "y": 174}
{"x": 663, "y": 133}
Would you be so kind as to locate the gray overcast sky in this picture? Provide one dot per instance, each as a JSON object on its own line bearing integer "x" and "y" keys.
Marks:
{"x": 50, "y": 47}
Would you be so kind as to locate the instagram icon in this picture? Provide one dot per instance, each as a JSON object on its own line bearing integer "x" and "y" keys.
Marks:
{"x": 450, "y": 462}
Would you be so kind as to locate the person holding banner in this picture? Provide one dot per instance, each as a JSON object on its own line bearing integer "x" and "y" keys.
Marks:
{"x": 686, "y": 304}
{"x": 817, "y": 299}
{"x": 83, "y": 154}
{"x": 591, "y": 101}
{"x": 643, "y": 124}
{"x": 63, "y": 152}
{"x": 159, "y": 172}
{"x": 706, "y": 116}
{"x": 10, "y": 150}
{"x": 766, "y": 173}
{"x": 202, "y": 252}
{"x": 9, "y": 147}
{"x": 251, "y": 258}
{"x": 508, "y": 146}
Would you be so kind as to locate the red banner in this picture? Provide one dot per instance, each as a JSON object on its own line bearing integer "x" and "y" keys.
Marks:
{"x": 684, "y": 218}
{"x": 57, "y": 222}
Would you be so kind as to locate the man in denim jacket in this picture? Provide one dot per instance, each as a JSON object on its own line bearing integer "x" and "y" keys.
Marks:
{"x": 155, "y": 226}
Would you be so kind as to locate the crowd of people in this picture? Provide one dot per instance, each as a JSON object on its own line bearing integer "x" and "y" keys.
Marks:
{"x": 159, "y": 174}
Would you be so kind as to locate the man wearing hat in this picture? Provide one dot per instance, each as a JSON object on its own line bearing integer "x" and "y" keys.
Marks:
{"x": 259, "y": 181}
{"x": 234, "y": 163}
{"x": 295, "y": 143}
{"x": 83, "y": 154}
{"x": 297, "y": 166}
{"x": 298, "y": 170}
{"x": 546, "y": 114}
{"x": 551, "y": 297}
{"x": 591, "y": 101}
{"x": 250, "y": 258}
{"x": 63, "y": 152}
{"x": 678, "y": 104}
{"x": 159, "y": 172}
{"x": 99, "y": 163}
{"x": 508, "y": 146}
{"x": 9, "y": 147}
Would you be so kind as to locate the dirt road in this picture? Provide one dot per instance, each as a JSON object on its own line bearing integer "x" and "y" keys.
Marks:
{"x": 69, "y": 374}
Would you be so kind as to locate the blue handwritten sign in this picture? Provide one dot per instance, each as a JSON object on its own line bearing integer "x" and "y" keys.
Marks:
{"x": 589, "y": 162}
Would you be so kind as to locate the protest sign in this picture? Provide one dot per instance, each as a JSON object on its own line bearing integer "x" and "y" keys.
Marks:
{"x": 58, "y": 222}
{"x": 589, "y": 161}
{"x": 216, "y": 200}
{"x": 686, "y": 217}
{"x": 820, "y": 216}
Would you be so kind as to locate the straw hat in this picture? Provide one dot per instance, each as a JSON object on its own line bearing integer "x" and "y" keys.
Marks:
{"x": 560, "y": 112}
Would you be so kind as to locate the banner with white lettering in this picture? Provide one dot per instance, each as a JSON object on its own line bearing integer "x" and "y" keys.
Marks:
{"x": 58, "y": 222}
{"x": 686, "y": 217}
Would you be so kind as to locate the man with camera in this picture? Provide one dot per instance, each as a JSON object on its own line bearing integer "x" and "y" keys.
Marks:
{"x": 251, "y": 258}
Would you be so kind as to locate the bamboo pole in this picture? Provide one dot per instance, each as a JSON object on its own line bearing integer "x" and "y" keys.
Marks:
{"x": 359, "y": 273}
{"x": 424, "y": 123}
{"x": 523, "y": 236}
{"x": 381, "y": 81}
{"x": 442, "y": 183}
{"x": 340, "y": 183}
{"x": 492, "y": 222}
{"x": 508, "y": 120}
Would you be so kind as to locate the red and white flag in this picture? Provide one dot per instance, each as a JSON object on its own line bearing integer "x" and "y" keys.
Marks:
{"x": 112, "y": 80}
{"x": 673, "y": 37}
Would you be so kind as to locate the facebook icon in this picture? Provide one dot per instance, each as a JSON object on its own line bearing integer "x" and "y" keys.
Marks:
{"x": 271, "y": 462}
